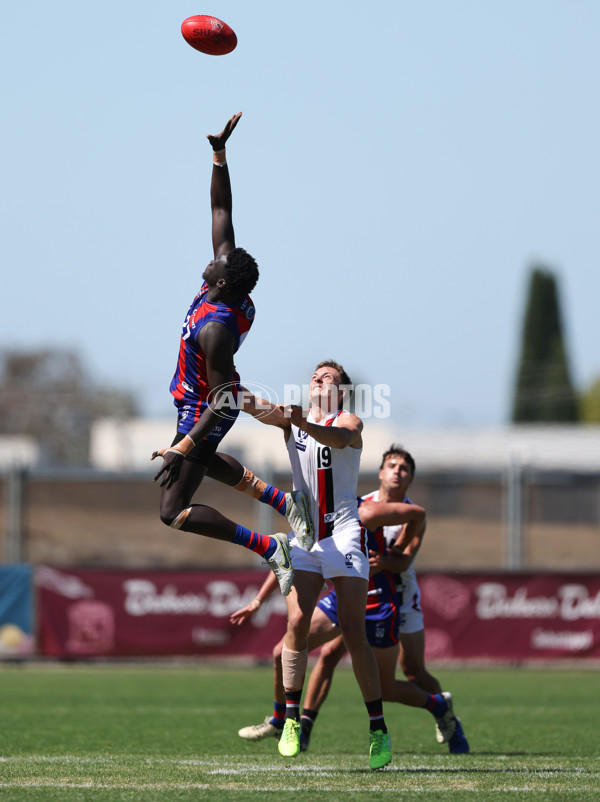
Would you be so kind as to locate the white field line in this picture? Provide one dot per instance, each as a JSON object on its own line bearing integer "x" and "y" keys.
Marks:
{"x": 237, "y": 766}
{"x": 464, "y": 787}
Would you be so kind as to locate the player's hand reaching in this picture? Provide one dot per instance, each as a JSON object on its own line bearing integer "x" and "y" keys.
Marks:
{"x": 240, "y": 616}
{"x": 296, "y": 415}
{"x": 218, "y": 142}
{"x": 172, "y": 462}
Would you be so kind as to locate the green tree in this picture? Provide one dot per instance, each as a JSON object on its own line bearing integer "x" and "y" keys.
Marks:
{"x": 590, "y": 403}
{"x": 544, "y": 391}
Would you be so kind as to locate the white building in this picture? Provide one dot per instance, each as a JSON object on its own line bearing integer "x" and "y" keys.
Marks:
{"x": 127, "y": 446}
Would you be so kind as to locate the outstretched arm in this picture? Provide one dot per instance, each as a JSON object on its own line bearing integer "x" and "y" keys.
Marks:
{"x": 223, "y": 236}
{"x": 347, "y": 432}
{"x": 263, "y": 410}
{"x": 389, "y": 513}
{"x": 267, "y": 588}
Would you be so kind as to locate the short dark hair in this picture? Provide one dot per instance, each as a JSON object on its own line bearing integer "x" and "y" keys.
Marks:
{"x": 397, "y": 451}
{"x": 331, "y": 363}
{"x": 344, "y": 378}
{"x": 241, "y": 273}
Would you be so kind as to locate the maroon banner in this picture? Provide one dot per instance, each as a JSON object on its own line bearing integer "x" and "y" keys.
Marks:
{"x": 511, "y": 616}
{"x": 90, "y": 613}
{"x": 495, "y": 617}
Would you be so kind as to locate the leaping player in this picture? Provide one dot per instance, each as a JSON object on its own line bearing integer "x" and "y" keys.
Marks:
{"x": 206, "y": 384}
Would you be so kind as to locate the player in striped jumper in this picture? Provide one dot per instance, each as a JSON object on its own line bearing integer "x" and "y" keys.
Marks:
{"x": 205, "y": 386}
{"x": 324, "y": 446}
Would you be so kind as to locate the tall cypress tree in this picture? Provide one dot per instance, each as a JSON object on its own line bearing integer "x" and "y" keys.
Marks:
{"x": 544, "y": 392}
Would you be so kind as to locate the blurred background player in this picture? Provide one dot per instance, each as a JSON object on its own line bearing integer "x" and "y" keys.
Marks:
{"x": 391, "y": 616}
{"x": 396, "y": 474}
{"x": 324, "y": 446}
{"x": 206, "y": 385}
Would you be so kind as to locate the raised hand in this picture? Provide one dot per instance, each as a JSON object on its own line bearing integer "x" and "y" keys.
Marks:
{"x": 218, "y": 141}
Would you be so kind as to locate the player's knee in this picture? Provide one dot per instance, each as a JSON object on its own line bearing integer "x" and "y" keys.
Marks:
{"x": 413, "y": 673}
{"x": 174, "y": 517}
{"x": 410, "y": 671}
{"x": 355, "y": 638}
{"x": 299, "y": 623}
{"x": 328, "y": 657}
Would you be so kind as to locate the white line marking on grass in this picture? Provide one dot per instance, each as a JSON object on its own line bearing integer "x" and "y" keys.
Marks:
{"x": 402, "y": 761}
{"x": 66, "y": 785}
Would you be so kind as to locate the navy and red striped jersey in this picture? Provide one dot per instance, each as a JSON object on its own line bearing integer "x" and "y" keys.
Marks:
{"x": 383, "y": 585}
{"x": 189, "y": 386}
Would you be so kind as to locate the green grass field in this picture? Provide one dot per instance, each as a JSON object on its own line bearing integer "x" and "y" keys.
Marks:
{"x": 148, "y": 733}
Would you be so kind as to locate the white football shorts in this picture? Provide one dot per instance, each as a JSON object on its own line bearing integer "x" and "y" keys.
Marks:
{"x": 342, "y": 554}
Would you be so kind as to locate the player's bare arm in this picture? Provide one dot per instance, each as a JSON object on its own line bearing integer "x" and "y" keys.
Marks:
{"x": 406, "y": 547}
{"x": 347, "y": 432}
{"x": 263, "y": 410}
{"x": 374, "y": 514}
{"x": 401, "y": 555}
{"x": 268, "y": 587}
{"x": 223, "y": 236}
{"x": 218, "y": 345}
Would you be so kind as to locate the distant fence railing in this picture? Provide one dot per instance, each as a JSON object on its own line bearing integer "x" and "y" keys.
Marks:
{"x": 517, "y": 519}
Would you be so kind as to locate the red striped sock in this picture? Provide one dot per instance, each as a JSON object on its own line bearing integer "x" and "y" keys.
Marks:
{"x": 261, "y": 544}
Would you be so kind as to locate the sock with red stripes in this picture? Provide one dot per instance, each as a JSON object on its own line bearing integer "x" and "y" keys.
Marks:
{"x": 436, "y": 704}
{"x": 278, "y": 716}
{"x": 376, "y": 720}
{"x": 292, "y": 704}
{"x": 261, "y": 544}
{"x": 274, "y": 498}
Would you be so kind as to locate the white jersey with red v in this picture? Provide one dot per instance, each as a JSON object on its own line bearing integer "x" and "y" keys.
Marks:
{"x": 328, "y": 476}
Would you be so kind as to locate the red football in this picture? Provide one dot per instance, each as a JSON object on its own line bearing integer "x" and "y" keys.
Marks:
{"x": 209, "y": 35}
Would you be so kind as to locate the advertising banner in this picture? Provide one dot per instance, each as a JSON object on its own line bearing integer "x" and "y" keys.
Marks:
{"x": 511, "y": 616}
{"x": 93, "y": 613}
{"x": 16, "y": 611}
{"x": 491, "y": 617}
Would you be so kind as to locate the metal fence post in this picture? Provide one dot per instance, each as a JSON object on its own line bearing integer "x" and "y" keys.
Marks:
{"x": 14, "y": 498}
{"x": 513, "y": 515}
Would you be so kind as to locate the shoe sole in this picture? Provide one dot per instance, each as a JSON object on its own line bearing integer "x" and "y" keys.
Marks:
{"x": 289, "y": 571}
{"x": 301, "y": 518}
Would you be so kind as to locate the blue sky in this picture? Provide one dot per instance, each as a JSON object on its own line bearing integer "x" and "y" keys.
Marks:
{"x": 398, "y": 169}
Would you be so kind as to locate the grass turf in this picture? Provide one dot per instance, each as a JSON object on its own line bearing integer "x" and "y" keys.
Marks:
{"x": 169, "y": 733}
